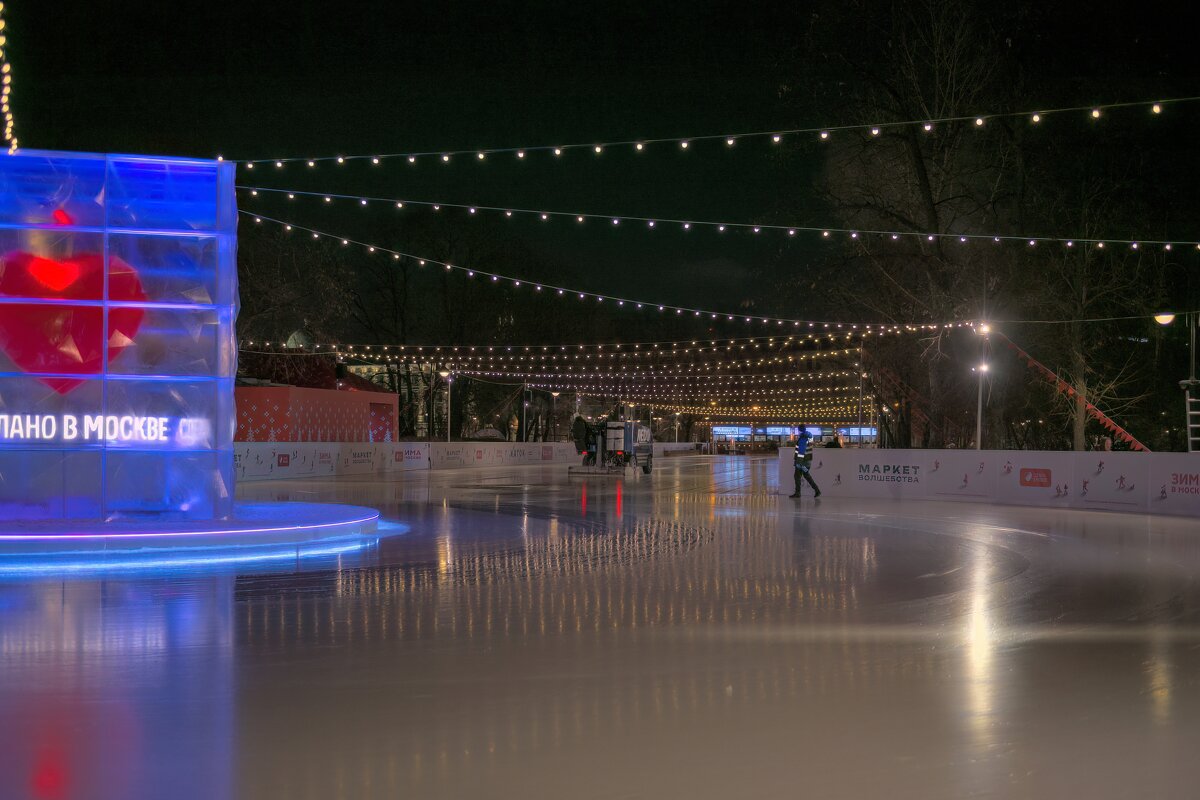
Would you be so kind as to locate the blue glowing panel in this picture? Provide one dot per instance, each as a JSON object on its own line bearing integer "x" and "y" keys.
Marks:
{"x": 118, "y": 296}
{"x": 730, "y": 431}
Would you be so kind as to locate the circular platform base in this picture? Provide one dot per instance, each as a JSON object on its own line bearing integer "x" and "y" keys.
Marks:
{"x": 257, "y": 533}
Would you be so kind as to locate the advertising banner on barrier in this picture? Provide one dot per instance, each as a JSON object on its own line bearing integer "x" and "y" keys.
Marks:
{"x": 860, "y": 473}
{"x": 875, "y": 473}
{"x": 280, "y": 460}
{"x": 1164, "y": 483}
{"x": 960, "y": 475}
{"x": 1173, "y": 480}
{"x": 1035, "y": 478}
{"x": 408, "y": 456}
{"x": 454, "y": 455}
{"x": 1112, "y": 481}
{"x": 267, "y": 460}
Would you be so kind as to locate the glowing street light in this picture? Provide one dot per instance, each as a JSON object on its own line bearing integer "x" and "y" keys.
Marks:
{"x": 445, "y": 373}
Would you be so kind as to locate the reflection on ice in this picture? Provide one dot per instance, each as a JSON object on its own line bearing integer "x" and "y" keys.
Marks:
{"x": 113, "y": 687}
{"x": 704, "y": 639}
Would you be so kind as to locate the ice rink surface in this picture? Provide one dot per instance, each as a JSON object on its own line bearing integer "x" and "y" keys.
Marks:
{"x": 688, "y": 634}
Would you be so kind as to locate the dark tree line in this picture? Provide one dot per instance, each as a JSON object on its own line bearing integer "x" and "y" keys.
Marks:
{"x": 867, "y": 62}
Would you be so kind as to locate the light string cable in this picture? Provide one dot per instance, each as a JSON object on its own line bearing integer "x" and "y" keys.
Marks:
{"x": 563, "y": 351}
{"x": 599, "y": 298}
{"x": 868, "y": 327}
{"x": 10, "y": 136}
{"x": 826, "y": 233}
{"x": 821, "y": 132}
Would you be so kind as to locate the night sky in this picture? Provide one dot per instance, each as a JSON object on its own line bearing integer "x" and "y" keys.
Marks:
{"x": 264, "y": 79}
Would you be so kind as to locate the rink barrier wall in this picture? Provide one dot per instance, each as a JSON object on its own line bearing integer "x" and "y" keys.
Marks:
{"x": 663, "y": 449}
{"x": 1155, "y": 483}
{"x": 258, "y": 461}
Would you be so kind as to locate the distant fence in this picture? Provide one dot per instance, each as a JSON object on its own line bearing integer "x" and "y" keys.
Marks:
{"x": 257, "y": 461}
{"x": 1156, "y": 483}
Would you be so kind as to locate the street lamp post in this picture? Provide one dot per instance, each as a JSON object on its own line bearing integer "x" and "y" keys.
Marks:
{"x": 449, "y": 382}
{"x": 1190, "y": 386}
{"x": 983, "y": 330}
{"x": 983, "y": 368}
{"x": 554, "y": 413}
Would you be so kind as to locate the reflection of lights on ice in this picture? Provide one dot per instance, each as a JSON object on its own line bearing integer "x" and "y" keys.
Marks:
{"x": 980, "y": 644}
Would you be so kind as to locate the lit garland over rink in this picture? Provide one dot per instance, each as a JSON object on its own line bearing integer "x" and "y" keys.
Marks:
{"x": 438, "y": 350}
{"x": 825, "y": 233}
{"x": 10, "y": 135}
{"x": 621, "y": 302}
{"x": 820, "y": 133}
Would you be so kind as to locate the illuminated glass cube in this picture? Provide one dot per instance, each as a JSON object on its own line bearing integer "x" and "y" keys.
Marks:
{"x": 118, "y": 297}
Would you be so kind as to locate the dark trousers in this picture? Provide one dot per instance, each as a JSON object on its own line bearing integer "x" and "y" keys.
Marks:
{"x": 802, "y": 472}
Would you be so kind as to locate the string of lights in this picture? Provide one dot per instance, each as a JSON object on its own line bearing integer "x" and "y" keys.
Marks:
{"x": 726, "y": 394}
{"x": 10, "y": 135}
{"x": 438, "y": 350}
{"x": 498, "y": 362}
{"x": 821, "y": 133}
{"x": 723, "y": 226}
{"x": 621, "y": 302}
{"x": 708, "y": 391}
{"x": 464, "y": 363}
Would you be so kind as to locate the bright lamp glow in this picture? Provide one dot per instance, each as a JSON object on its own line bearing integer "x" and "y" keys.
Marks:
{"x": 1165, "y": 318}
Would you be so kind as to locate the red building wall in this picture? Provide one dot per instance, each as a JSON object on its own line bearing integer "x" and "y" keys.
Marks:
{"x": 293, "y": 414}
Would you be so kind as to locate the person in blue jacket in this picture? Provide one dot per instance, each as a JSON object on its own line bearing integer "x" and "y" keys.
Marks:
{"x": 800, "y": 462}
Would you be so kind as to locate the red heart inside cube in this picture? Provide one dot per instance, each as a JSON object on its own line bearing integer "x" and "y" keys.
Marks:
{"x": 55, "y": 338}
